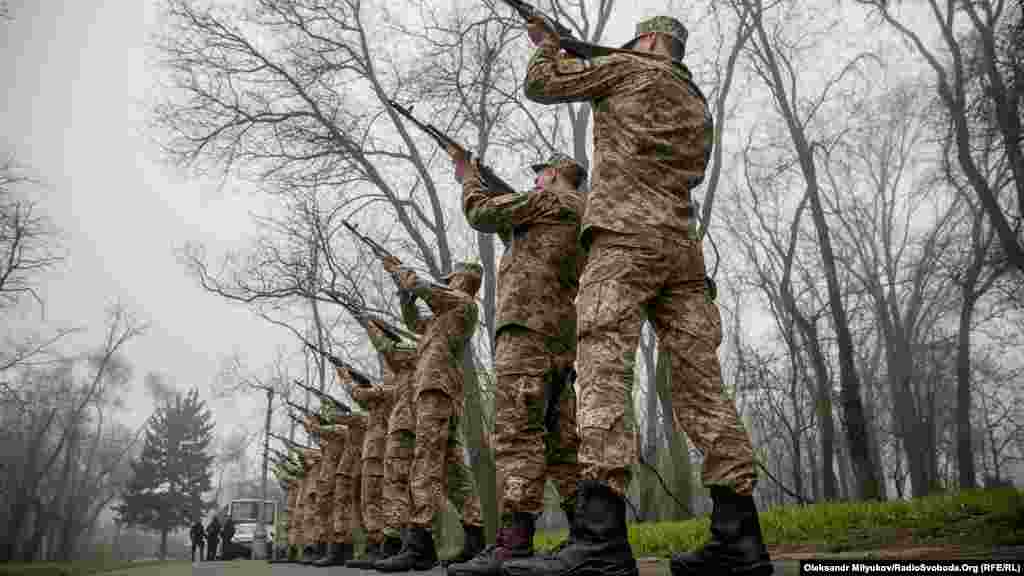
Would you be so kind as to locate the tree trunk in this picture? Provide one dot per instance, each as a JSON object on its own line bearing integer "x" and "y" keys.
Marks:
{"x": 480, "y": 456}
{"x": 163, "y": 543}
{"x": 822, "y": 408}
{"x": 648, "y": 504}
{"x": 856, "y": 428}
{"x": 485, "y": 244}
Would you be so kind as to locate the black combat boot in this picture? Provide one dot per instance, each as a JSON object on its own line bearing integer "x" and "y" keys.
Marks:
{"x": 280, "y": 556}
{"x": 392, "y": 545}
{"x": 348, "y": 550}
{"x": 418, "y": 553}
{"x": 515, "y": 540}
{"x": 370, "y": 557}
{"x": 473, "y": 542}
{"x": 598, "y": 540}
{"x": 335, "y": 556}
{"x": 736, "y": 546}
{"x": 310, "y": 553}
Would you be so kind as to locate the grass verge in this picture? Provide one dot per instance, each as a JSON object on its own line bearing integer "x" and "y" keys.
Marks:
{"x": 78, "y": 568}
{"x": 975, "y": 518}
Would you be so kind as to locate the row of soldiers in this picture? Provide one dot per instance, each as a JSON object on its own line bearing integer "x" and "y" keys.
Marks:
{"x": 359, "y": 476}
{"x": 580, "y": 274}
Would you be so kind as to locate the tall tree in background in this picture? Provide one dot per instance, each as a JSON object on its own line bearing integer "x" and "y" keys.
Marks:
{"x": 173, "y": 472}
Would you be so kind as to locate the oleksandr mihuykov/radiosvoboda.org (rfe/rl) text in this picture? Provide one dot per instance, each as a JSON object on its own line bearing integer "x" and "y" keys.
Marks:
{"x": 919, "y": 567}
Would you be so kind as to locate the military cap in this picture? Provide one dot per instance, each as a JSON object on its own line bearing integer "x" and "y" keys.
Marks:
{"x": 471, "y": 268}
{"x": 561, "y": 161}
{"x": 557, "y": 160}
{"x": 663, "y": 25}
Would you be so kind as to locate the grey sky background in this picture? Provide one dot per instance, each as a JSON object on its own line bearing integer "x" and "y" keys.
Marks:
{"x": 75, "y": 116}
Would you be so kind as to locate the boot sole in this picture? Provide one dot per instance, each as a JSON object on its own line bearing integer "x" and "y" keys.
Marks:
{"x": 417, "y": 568}
{"x": 586, "y": 570}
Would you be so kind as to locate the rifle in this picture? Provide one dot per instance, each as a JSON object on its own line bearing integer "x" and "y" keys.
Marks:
{"x": 391, "y": 331}
{"x": 305, "y": 411}
{"x": 325, "y": 396}
{"x": 360, "y": 378}
{"x": 357, "y": 312}
{"x": 567, "y": 41}
{"x": 290, "y": 443}
{"x": 378, "y": 250}
{"x": 444, "y": 141}
{"x": 303, "y": 423}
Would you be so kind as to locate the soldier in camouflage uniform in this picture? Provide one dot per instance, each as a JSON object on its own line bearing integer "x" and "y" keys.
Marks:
{"x": 535, "y": 434}
{"x": 306, "y": 517}
{"x": 348, "y": 476}
{"x": 332, "y": 445}
{"x": 438, "y": 401}
{"x": 378, "y": 401}
{"x": 400, "y": 360}
{"x": 288, "y": 473}
{"x": 652, "y": 141}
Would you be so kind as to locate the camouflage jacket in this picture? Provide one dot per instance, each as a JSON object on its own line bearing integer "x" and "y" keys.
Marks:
{"x": 377, "y": 400}
{"x": 400, "y": 366}
{"x": 538, "y": 276}
{"x": 349, "y": 464}
{"x": 653, "y": 135}
{"x": 333, "y": 440}
{"x": 444, "y": 335}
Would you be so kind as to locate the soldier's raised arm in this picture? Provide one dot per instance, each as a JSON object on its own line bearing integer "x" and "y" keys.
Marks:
{"x": 439, "y": 297}
{"x": 554, "y": 79}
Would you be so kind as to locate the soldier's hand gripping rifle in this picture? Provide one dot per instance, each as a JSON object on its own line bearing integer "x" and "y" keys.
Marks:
{"x": 309, "y": 413}
{"x": 360, "y": 378}
{"x": 493, "y": 181}
{"x": 567, "y": 41}
{"x": 325, "y": 397}
{"x": 359, "y": 313}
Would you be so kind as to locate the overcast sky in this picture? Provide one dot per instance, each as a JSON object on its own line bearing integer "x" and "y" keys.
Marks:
{"x": 75, "y": 115}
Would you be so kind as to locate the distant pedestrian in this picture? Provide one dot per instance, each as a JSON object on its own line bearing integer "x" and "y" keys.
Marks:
{"x": 227, "y": 532}
{"x": 212, "y": 537}
{"x": 198, "y": 539}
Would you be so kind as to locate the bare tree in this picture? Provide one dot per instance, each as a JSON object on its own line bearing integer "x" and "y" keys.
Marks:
{"x": 774, "y": 58}
{"x": 29, "y": 247}
{"x": 981, "y": 65}
{"x": 67, "y": 459}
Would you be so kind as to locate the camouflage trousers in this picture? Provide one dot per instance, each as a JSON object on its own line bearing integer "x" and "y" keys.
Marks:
{"x": 324, "y": 509}
{"x": 309, "y": 518}
{"x": 372, "y": 499}
{"x": 398, "y": 451}
{"x": 397, "y": 499}
{"x": 438, "y": 465}
{"x": 535, "y": 435}
{"x": 346, "y": 515}
{"x": 629, "y": 278}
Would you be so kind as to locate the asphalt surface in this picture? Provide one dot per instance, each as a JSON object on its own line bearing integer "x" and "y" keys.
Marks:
{"x": 251, "y": 568}
{"x": 647, "y": 566}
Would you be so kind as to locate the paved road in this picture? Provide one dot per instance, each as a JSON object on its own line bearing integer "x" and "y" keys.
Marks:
{"x": 648, "y": 567}
{"x": 252, "y": 568}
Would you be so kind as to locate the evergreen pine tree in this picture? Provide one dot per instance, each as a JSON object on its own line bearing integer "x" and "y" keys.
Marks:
{"x": 173, "y": 471}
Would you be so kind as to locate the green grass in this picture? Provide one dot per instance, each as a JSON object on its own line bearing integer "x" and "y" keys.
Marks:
{"x": 973, "y": 518}
{"x": 83, "y": 567}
